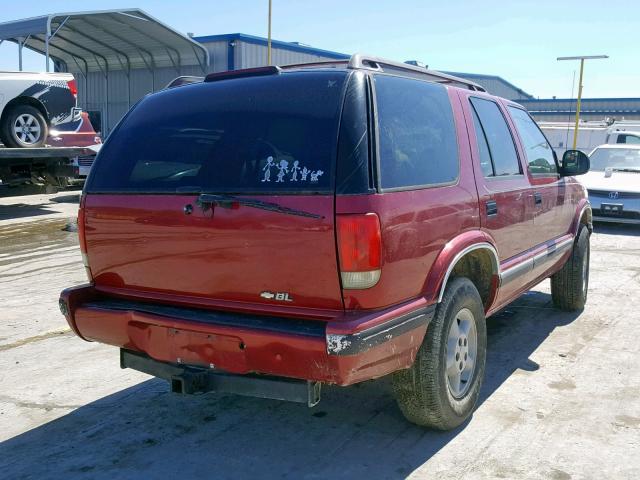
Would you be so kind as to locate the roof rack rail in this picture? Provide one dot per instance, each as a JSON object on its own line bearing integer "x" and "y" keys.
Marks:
{"x": 324, "y": 63}
{"x": 380, "y": 64}
{"x": 184, "y": 80}
{"x": 357, "y": 61}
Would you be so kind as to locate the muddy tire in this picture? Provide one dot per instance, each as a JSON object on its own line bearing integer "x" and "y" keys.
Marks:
{"x": 570, "y": 285}
{"x": 24, "y": 127}
{"x": 442, "y": 387}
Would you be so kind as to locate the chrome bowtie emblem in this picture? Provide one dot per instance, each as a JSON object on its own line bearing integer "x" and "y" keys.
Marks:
{"x": 278, "y": 296}
{"x": 614, "y": 195}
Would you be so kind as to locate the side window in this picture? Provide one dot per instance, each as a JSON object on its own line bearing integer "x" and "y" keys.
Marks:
{"x": 538, "y": 151}
{"x": 502, "y": 150}
{"x": 417, "y": 135}
{"x": 624, "y": 138}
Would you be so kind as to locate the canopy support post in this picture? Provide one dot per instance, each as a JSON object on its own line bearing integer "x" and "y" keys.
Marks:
{"x": 20, "y": 43}
{"x": 46, "y": 51}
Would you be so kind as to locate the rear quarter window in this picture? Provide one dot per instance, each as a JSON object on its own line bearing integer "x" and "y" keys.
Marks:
{"x": 270, "y": 134}
{"x": 417, "y": 136}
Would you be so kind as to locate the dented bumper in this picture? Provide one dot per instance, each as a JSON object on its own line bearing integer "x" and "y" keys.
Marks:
{"x": 352, "y": 348}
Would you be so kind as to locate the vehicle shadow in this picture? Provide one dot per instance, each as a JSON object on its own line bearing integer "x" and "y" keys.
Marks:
{"x": 22, "y": 210}
{"x": 617, "y": 229}
{"x": 357, "y": 432}
{"x": 70, "y": 198}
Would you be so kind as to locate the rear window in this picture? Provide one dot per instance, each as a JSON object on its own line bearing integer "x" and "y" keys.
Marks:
{"x": 270, "y": 134}
{"x": 417, "y": 135}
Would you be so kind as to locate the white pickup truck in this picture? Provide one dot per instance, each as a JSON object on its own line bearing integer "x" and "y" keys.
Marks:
{"x": 590, "y": 134}
{"x": 33, "y": 103}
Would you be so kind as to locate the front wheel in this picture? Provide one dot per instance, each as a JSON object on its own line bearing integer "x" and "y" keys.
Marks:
{"x": 570, "y": 285}
{"x": 441, "y": 388}
{"x": 24, "y": 127}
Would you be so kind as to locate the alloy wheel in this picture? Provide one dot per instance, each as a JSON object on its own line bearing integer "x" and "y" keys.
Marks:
{"x": 27, "y": 129}
{"x": 461, "y": 353}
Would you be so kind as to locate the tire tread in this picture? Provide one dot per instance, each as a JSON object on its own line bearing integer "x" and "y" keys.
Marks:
{"x": 566, "y": 284}
{"x": 418, "y": 389}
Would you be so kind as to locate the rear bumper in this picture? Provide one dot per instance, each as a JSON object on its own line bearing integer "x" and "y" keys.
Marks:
{"x": 191, "y": 380}
{"x": 355, "y": 347}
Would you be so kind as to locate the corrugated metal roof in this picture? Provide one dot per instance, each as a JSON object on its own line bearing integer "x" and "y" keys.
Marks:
{"x": 106, "y": 40}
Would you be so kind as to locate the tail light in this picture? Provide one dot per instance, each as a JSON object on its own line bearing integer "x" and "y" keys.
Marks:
{"x": 359, "y": 250}
{"x": 73, "y": 87}
{"x": 83, "y": 239}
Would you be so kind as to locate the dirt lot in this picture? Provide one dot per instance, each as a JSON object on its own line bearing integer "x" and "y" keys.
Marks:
{"x": 561, "y": 399}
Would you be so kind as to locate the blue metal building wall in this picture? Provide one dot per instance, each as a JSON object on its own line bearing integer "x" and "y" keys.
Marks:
{"x": 237, "y": 50}
{"x": 564, "y": 109}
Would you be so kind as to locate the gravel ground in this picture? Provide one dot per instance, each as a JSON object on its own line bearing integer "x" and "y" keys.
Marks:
{"x": 561, "y": 399}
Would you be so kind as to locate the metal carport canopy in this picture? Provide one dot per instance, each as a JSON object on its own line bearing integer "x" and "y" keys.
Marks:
{"x": 105, "y": 41}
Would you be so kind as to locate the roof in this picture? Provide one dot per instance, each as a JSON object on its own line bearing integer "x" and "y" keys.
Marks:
{"x": 479, "y": 77}
{"x": 106, "y": 40}
{"x": 356, "y": 61}
{"x": 292, "y": 46}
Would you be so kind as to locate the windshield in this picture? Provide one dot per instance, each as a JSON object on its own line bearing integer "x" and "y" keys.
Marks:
{"x": 616, "y": 159}
{"x": 268, "y": 134}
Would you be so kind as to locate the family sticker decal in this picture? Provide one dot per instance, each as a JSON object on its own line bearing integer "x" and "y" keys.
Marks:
{"x": 283, "y": 169}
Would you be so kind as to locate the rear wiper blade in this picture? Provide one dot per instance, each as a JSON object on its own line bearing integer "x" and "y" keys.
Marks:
{"x": 206, "y": 200}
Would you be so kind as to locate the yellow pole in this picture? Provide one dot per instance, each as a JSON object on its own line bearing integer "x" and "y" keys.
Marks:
{"x": 269, "y": 37}
{"x": 575, "y": 131}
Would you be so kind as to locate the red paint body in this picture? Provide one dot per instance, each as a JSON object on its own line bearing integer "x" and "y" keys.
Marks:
{"x": 146, "y": 243}
{"x": 144, "y": 247}
{"x": 83, "y": 136}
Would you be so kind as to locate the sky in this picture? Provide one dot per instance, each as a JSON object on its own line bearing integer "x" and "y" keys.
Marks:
{"x": 518, "y": 40}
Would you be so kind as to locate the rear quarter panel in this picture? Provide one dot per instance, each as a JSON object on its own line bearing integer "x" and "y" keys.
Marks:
{"x": 416, "y": 227}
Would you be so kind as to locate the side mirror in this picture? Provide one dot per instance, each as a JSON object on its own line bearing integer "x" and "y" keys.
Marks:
{"x": 574, "y": 162}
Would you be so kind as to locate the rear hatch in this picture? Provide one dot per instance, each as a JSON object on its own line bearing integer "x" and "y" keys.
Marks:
{"x": 221, "y": 192}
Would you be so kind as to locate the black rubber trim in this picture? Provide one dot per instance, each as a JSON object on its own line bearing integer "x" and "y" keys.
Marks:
{"x": 311, "y": 328}
{"x": 362, "y": 341}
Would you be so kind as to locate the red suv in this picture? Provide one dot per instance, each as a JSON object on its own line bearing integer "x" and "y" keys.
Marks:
{"x": 280, "y": 228}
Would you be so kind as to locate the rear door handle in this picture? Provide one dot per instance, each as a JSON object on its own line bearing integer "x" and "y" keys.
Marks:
{"x": 492, "y": 208}
{"x": 537, "y": 197}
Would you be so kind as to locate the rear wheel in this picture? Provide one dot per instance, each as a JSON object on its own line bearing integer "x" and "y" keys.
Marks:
{"x": 24, "y": 127}
{"x": 570, "y": 285}
{"x": 442, "y": 387}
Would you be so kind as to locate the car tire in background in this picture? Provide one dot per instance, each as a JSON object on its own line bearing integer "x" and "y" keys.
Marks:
{"x": 24, "y": 126}
{"x": 441, "y": 388}
{"x": 570, "y": 285}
